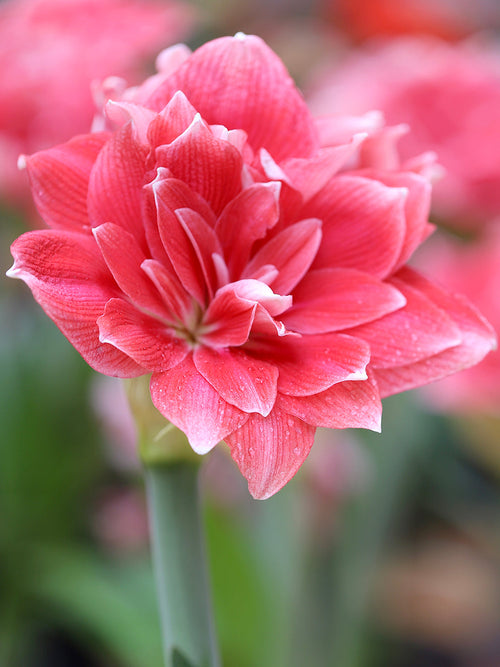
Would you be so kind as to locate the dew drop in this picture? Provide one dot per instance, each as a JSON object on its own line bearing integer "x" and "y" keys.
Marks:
{"x": 297, "y": 451}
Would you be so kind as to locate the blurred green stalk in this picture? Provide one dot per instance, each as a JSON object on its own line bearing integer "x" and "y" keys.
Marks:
{"x": 180, "y": 565}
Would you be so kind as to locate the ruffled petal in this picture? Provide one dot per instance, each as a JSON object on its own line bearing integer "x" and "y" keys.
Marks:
{"x": 146, "y": 340}
{"x": 417, "y": 207}
{"x": 351, "y": 404}
{"x": 335, "y": 299}
{"x": 240, "y": 83}
{"x": 69, "y": 279}
{"x": 123, "y": 256}
{"x": 477, "y": 338}
{"x": 418, "y": 330}
{"x": 310, "y": 364}
{"x": 186, "y": 399}
{"x": 116, "y": 181}
{"x": 246, "y": 219}
{"x": 291, "y": 251}
{"x": 247, "y": 383}
{"x": 210, "y": 166}
{"x": 363, "y": 224}
{"x": 59, "y": 180}
{"x": 269, "y": 450}
{"x": 228, "y": 319}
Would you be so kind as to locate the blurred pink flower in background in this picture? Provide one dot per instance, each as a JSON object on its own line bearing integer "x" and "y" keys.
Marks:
{"x": 448, "y": 19}
{"x": 450, "y": 97}
{"x": 472, "y": 269}
{"x": 52, "y": 50}
{"x": 249, "y": 257}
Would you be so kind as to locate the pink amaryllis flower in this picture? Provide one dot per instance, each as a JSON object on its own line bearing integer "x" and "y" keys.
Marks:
{"x": 50, "y": 53}
{"x": 449, "y": 95}
{"x": 248, "y": 257}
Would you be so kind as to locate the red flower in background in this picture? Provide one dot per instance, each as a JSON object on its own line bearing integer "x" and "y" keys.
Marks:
{"x": 247, "y": 256}
{"x": 450, "y": 97}
{"x": 449, "y": 19}
{"x": 51, "y": 51}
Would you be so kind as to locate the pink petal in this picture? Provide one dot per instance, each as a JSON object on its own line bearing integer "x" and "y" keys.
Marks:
{"x": 228, "y": 319}
{"x": 246, "y": 219}
{"x": 363, "y": 224}
{"x": 174, "y": 194}
{"x": 291, "y": 251}
{"x": 335, "y": 299}
{"x": 311, "y": 364}
{"x": 124, "y": 258}
{"x": 68, "y": 278}
{"x": 417, "y": 207}
{"x": 143, "y": 338}
{"x": 172, "y": 121}
{"x": 116, "y": 181}
{"x": 186, "y": 399}
{"x": 205, "y": 244}
{"x": 183, "y": 254}
{"x": 59, "y": 180}
{"x": 240, "y": 83}
{"x": 310, "y": 175}
{"x": 418, "y": 330}
{"x": 123, "y": 112}
{"x": 351, "y": 404}
{"x": 210, "y": 166}
{"x": 247, "y": 383}
{"x": 269, "y": 450}
{"x": 477, "y": 339}
{"x": 175, "y": 297}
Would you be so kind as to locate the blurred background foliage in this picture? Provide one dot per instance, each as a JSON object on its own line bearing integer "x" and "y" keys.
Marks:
{"x": 384, "y": 551}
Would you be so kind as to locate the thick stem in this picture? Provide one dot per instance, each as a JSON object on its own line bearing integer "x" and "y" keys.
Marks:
{"x": 179, "y": 560}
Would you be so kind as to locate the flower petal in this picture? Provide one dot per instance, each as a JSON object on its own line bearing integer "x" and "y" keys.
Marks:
{"x": 418, "y": 330}
{"x": 59, "y": 180}
{"x": 116, "y": 181}
{"x": 335, "y": 299}
{"x": 68, "y": 278}
{"x": 291, "y": 251}
{"x": 247, "y": 383}
{"x": 246, "y": 219}
{"x": 363, "y": 224}
{"x": 228, "y": 319}
{"x": 311, "y": 364}
{"x": 143, "y": 338}
{"x": 477, "y": 338}
{"x": 124, "y": 258}
{"x": 350, "y": 404}
{"x": 240, "y": 83}
{"x": 210, "y": 166}
{"x": 186, "y": 399}
{"x": 269, "y": 450}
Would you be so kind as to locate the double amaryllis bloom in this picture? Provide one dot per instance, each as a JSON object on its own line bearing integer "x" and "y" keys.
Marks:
{"x": 247, "y": 256}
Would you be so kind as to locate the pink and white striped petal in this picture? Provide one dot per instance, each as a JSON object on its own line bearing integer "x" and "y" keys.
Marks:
{"x": 123, "y": 256}
{"x": 335, "y": 299}
{"x": 291, "y": 251}
{"x": 310, "y": 364}
{"x": 418, "y": 330}
{"x": 116, "y": 181}
{"x": 350, "y": 404}
{"x": 247, "y": 383}
{"x": 59, "y": 180}
{"x": 364, "y": 224}
{"x": 269, "y": 450}
{"x": 146, "y": 340}
{"x": 186, "y": 399}
{"x": 69, "y": 279}
{"x": 217, "y": 79}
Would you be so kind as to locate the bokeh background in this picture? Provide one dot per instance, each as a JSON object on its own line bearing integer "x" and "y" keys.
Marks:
{"x": 384, "y": 551}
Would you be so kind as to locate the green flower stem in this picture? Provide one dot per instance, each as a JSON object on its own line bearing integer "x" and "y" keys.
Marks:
{"x": 180, "y": 565}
